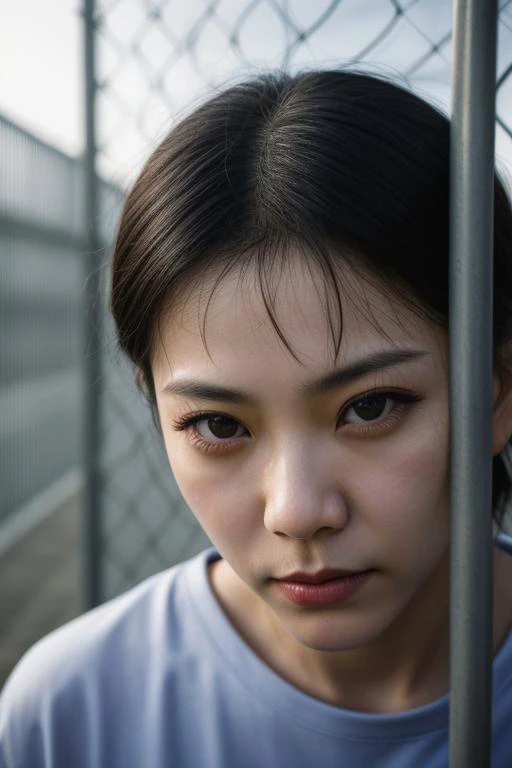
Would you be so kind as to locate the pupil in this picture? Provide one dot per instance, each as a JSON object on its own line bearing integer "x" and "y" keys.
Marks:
{"x": 370, "y": 407}
{"x": 222, "y": 427}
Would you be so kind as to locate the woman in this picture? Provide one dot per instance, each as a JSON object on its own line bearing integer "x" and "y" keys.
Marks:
{"x": 280, "y": 282}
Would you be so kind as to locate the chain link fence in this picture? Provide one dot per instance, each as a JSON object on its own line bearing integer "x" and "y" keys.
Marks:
{"x": 156, "y": 60}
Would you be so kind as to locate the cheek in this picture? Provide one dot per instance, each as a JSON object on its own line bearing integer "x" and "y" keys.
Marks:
{"x": 405, "y": 499}
{"x": 217, "y": 492}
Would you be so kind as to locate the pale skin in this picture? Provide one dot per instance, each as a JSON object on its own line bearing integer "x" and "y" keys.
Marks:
{"x": 304, "y": 482}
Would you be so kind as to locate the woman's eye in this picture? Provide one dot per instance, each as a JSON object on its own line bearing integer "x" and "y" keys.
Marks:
{"x": 219, "y": 427}
{"x": 375, "y": 411}
{"x": 369, "y": 408}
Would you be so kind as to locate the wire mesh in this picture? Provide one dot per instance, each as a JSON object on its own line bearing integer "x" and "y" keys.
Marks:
{"x": 157, "y": 60}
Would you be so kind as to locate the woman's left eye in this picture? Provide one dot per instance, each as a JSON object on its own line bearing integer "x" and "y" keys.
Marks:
{"x": 375, "y": 407}
{"x": 369, "y": 408}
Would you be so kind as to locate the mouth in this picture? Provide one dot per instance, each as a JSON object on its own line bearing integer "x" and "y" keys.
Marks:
{"x": 321, "y": 577}
{"x": 322, "y": 589}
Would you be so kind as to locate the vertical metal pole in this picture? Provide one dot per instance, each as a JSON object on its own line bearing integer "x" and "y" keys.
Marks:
{"x": 93, "y": 316}
{"x": 471, "y": 281}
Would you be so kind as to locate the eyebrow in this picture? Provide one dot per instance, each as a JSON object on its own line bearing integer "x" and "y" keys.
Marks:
{"x": 337, "y": 378}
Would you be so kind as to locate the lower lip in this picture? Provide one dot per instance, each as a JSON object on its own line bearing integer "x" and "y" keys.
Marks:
{"x": 327, "y": 593}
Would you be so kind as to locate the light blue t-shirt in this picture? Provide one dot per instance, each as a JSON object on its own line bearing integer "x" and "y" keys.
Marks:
{"x": 159, "y": 678}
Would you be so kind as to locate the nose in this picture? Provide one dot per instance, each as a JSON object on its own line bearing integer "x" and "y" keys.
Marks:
{"x": 301, "y": 499}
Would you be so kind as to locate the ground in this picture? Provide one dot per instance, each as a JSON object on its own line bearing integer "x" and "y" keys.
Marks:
{"x": 39, "y": 584}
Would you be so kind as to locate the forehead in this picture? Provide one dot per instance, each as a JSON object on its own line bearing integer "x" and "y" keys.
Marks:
{"x": 224, "y": 322}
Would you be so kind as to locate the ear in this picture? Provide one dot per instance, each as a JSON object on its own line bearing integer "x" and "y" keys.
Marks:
{"x": 140, "y": 381}
{"x": 502, "y": 410}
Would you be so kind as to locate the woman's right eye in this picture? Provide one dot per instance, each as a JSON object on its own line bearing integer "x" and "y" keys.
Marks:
{"x": 211, "y": 431}
{"x": 220, "y": 427}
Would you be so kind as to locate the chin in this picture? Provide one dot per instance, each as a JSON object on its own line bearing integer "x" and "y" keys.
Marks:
{"x": 321, "y": 635}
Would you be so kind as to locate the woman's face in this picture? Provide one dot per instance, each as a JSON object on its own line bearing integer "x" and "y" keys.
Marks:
{"x": 299, "y": 466}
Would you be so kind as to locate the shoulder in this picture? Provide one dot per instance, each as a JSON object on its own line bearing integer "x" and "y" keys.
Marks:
{"x": 83, "y": 641}
{"x": 502, "y": 703}
{"x": 105, "y": 654}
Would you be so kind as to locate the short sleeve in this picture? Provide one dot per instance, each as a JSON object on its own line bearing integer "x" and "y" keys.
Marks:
{"x": 21, "y": 726}
{"x": 46, "y": 714}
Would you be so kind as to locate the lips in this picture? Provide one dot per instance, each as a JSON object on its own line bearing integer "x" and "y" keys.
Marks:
{"x": 327, "y": 574}
{"x": 323, "y": 589}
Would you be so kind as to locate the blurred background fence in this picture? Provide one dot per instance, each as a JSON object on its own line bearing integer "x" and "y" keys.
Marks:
{"x": 154, "y": 61}
{"x": 41, "y": 242}
{"x": 42, "y": 383}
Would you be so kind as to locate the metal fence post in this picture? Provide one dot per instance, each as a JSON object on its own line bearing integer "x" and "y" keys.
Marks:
{"x": 471, "y": 295}
{"x": 93, "y": 317}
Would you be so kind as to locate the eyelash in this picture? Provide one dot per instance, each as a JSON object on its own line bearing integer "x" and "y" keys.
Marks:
{"x": 402, "y": 400}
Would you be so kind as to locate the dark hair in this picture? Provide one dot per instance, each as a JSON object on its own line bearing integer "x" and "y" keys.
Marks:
{"x": 349, "y": 166}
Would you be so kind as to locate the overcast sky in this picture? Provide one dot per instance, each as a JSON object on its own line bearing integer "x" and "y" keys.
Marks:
{"x": 40, "y": 69}
{"x": 41, "y": 56}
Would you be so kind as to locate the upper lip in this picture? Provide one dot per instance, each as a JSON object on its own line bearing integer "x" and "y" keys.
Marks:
{"x": 327, "y": 574}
